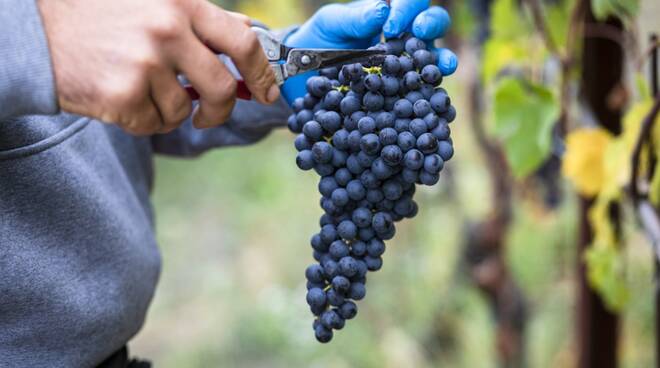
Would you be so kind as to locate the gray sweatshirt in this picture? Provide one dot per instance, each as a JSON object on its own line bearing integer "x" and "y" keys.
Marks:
{"x": 78, "y": 257}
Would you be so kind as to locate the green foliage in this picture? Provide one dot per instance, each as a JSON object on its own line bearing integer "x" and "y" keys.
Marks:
{"x": 507, "y": 22}
{"x": 463, "y": 22}
{"x": 524, "y": 117}
{"x": 604, "y": 271}
{"x": 557, "y": 19}
{"x": 508, "y": 44}
{"x": 654, "y": 191}
{"x": 621, "y": 8}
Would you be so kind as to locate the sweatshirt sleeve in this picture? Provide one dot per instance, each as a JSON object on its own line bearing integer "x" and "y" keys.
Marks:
{"x": 249, "y": 123}
{"x": 26, "y": 75}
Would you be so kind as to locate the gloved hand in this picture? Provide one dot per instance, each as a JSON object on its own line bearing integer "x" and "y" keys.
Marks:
{"x": 359, "y": 25}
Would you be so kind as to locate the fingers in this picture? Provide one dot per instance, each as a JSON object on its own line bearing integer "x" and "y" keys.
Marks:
{"x": 447, "y": 61}
{"x": 142, "y": 119}
{"x": 355, "y": 21}
{"x": 171, "y": 100}
{"x": 402, "y": 14}
{"x": 239, "y": 42}
{"x": 211, "y": 79}
{"x": 241, "y": 18}
{"x": 431, "y": 24}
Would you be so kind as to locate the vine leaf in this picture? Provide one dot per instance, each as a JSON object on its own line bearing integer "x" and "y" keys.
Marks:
{"x": 509, "y": 43}
{"x": 605, "y": 264}
{"x": 604, "y": 8}
{"x": 654, "y": 190}
{"x": 605, "y": 271}
{"x": 583, "y": 159}
{"x": 524, "y": 116}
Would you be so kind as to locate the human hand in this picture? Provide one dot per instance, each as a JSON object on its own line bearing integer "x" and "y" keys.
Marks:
{"x": 359, "y": 25}
{"x": 118, "y": 61}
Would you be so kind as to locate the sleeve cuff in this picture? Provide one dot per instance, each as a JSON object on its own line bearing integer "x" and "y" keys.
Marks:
{"x": 27, "y": 84}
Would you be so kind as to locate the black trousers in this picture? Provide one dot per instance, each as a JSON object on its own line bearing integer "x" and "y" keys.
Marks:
{"x": 120, "y": 360}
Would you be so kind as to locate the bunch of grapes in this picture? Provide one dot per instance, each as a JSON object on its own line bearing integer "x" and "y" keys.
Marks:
{"x": 371, "y": 131}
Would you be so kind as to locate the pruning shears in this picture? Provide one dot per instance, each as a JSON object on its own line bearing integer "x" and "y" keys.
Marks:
{"x": 287, "y": 62}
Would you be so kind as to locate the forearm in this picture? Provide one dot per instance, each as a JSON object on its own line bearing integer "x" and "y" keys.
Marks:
{"x": 26, "y": 76}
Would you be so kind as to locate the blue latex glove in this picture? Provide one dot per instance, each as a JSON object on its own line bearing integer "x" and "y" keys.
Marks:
{"x": 359, "y": 25}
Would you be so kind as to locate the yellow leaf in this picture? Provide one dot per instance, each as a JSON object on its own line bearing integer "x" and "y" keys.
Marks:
{"x": 583, "y": 163}
{"x": 654, "y": 192}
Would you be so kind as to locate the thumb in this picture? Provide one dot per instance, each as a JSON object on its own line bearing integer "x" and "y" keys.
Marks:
{"x": 402, "y": 15}
{"x": 358, "y": 21}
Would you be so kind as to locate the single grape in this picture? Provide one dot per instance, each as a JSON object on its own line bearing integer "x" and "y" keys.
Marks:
{"x": 314, "y": 273}
{"x": 316, "y": 297}
{"x": 440, "y": 102}
{"x": 412, "y": 81}
{"x": 387, "y": 136}
{"x": 413, "y": 44}
{"x": 322, "y": 152}
{"x": 338, "y": 249}
{"x": 445, "y": 150}
{"x": 356, "y": 191}
{"x": 357, "y": 291}
{"x": 433, "y": 163}
{"x": 332, "y": 100}
{"x": 391, "y": 65}
{"x": 348, "y": 310}
{"x": 391, "y": 154}
{"x": 427, "y": 143}
{"x": 413, "y": 159}
{"x": 431, "y": 74}
{"x": 402, "y": 109}
{"x": 370, "y": 144}
{"x": 418, "y": 127}
{"x": 347, "y": 230}
{"x": 373, "y": 101}
{"x": 422, "y": 58}
{"x": 313, "y": 131}
{"x": 318, "y": 86}
{"x": 305, "y": 160}
{"x": 366, "y": 125}
{"x": 373, "y": 82}
{"x": 302, "y": 143}
{"x": 421, "y": 108}
{"x": 405, "y": 64}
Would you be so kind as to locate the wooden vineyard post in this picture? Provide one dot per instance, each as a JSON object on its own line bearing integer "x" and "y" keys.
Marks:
{"x": 602, "y": 71}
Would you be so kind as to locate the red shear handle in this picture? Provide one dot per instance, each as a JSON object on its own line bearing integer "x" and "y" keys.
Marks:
{"x": 242, "y": 92}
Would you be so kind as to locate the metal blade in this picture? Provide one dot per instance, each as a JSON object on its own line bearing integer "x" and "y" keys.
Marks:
{"x": 304, "y": 60}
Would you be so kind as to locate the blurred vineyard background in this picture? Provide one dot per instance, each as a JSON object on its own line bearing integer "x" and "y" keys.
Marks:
{"x": 234, "y": 228}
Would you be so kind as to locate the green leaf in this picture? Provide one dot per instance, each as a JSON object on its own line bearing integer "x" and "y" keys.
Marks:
{"x": 524, "y": 116}
{"x": 507, "y": 22}
{"x": 654, "y": 191}
{"x": 557, "y": 19}
{"x": 605, "y": 274}
{"x": 499, "y": 54}
{"x": 463, "y": 20}
{"x": 621, "y": 8}
{"x": 642, "y": 86}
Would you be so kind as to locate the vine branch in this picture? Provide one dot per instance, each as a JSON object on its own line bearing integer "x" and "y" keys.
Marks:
{"x": 539, "y": 22}
{"x": 647, "y": 214}
{"x": 566, "y": 59}
{"x": 644, "y": 131}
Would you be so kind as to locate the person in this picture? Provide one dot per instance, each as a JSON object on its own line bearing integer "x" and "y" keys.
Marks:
{"x": 88, "y": 94}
